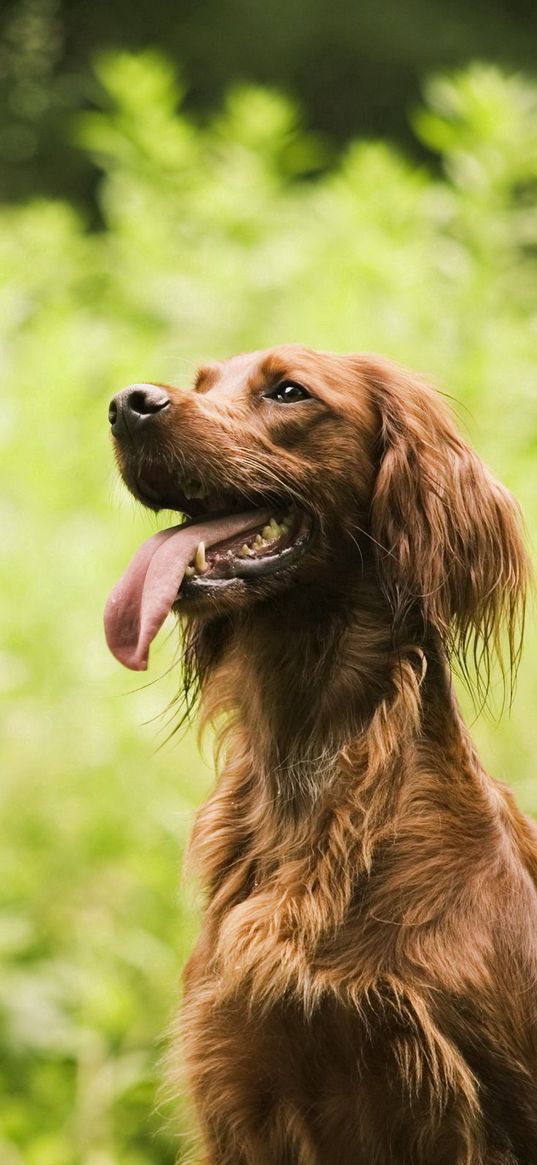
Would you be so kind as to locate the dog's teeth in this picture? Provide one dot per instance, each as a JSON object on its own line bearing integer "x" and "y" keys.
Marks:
{"x": 246, "y": 551}
{"x": 190, "y": 570}
{"x": 272, "y": 531}
{"x": 258, "y": 541}
{"x": 200, "y": 561}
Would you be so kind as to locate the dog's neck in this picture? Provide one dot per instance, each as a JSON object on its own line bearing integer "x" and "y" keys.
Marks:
{"x": 326, "y": 735}
{"x": 305, "y": 679}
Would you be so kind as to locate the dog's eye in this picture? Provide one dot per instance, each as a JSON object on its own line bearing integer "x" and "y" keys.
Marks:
{"x": 288, "y": 392}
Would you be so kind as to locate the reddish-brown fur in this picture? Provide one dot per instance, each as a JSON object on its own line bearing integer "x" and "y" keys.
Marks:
{"x": 363, "y": 991}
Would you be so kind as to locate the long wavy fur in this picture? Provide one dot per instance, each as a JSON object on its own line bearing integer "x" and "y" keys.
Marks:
{"x": 363, "y": 988}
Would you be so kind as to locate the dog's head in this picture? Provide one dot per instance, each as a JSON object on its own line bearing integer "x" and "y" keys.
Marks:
{"x": 306, "y": 469}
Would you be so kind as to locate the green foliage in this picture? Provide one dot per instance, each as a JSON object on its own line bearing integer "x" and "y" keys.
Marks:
{"x": 214, "y": 241}
{"x": 355, "y": 68}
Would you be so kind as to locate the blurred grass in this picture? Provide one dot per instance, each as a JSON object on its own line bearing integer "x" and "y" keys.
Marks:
{"x": 215, "y": 241}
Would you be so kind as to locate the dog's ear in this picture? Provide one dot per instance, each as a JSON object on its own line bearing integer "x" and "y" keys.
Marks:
{"x": 447, "y": 535}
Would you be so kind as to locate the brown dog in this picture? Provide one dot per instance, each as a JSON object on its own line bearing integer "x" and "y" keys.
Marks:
{"x": 364, "y": 989}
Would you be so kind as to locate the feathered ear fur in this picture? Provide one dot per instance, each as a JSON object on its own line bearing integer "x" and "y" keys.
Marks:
{"x": 447, "y": 535}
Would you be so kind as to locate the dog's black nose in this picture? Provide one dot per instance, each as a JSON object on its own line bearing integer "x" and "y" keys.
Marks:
{"x": 134, "y": 406}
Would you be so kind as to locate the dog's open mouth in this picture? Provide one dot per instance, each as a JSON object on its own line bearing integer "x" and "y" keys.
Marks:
{"x": 226, "y": 539}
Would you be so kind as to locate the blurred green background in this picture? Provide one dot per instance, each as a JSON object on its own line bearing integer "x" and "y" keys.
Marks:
{"x": 182, "y": 182}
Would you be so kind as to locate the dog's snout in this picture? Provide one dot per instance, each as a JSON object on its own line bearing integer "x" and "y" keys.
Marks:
{"x": 134, "y": 406}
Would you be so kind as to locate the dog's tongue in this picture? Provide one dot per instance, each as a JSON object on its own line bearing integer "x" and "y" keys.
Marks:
{"x": 139, "y": 603}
